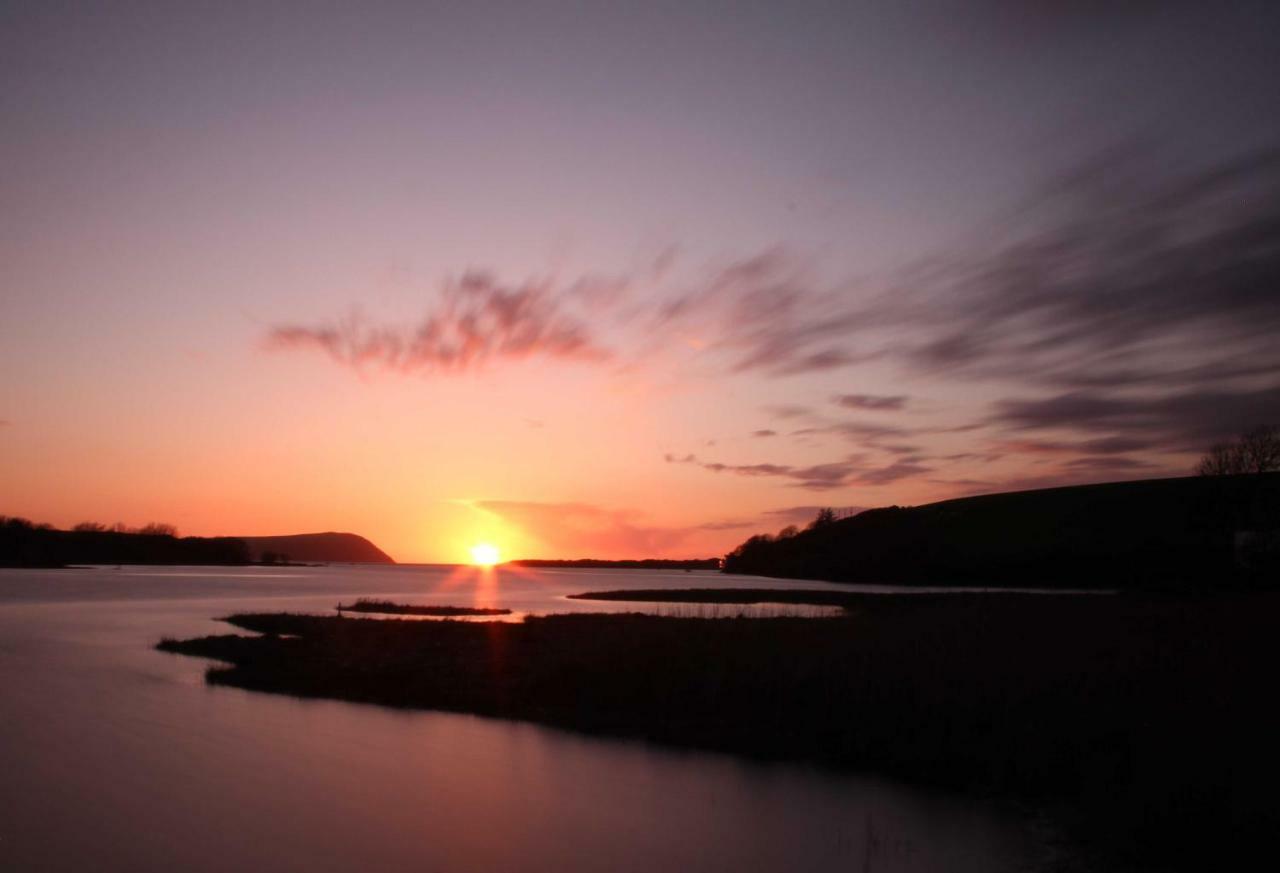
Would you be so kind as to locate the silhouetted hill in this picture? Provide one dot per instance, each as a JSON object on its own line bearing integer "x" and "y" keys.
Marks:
{"x": 24, "y": 544}
{"x": 330, "y": 546}
{"x": 1152, "y": 533}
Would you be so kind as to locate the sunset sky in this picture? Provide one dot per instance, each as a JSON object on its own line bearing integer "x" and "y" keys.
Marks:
{"x": 623, "y": 280}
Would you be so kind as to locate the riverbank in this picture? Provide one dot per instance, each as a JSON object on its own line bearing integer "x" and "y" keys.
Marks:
{"x": 1146, "y": 718}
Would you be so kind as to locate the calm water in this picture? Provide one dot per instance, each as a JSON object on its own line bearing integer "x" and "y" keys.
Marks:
{"x": 117, "y": 757}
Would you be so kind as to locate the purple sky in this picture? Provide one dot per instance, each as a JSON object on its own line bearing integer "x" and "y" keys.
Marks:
{"x": 623, "y": 278}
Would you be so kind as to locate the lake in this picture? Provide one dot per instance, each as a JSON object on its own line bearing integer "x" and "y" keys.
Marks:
{"x": 116, "y": 757}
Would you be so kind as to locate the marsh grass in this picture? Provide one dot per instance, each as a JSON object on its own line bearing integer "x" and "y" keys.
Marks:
{"x": 1149, "y": 719}
{"x": 387, "y": 607}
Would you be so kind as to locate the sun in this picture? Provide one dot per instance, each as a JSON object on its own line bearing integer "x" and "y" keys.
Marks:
{"x": 485, "y": 555}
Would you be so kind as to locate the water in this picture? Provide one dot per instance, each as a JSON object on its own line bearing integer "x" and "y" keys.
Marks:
{"x": 116, "y": 757}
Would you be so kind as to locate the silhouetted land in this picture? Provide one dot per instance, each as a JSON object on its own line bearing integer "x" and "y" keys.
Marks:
{"x": 1146, "y": 720}
{"x": 640, "y": 564}
{"x": 745, "y": 596}
{"x": 1159, "y": 533}
{"x": 23, "y": 544}
{"x": 386, "y": 607}
{"x": 324, "y": 547}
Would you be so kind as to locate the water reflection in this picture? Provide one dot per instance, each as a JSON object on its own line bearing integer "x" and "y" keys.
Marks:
{"x": 117, "y": 757}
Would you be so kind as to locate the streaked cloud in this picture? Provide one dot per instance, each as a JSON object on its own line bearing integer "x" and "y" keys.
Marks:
{"x": 872, "y": 402}
{"x": 473, "y": 322}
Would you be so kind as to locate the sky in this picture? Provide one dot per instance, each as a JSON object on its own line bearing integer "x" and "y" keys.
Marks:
{"x": 623, "y": 280}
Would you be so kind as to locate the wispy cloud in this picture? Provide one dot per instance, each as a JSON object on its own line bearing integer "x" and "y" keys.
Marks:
{"x": 872, "y": 402}
{"x": 1131, "y": 304}
{"x": 853, "y": 470}
{"x": 1175, "y": 421}
{"x": 474, "y": 321}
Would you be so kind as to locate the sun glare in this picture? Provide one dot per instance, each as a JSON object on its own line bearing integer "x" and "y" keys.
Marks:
{"x": 485, "y": 554}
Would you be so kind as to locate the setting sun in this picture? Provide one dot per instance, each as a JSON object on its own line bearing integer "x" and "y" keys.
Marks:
{"x": 485, "y": 554}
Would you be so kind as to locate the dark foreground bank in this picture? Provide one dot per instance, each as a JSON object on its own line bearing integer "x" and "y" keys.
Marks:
{"x": 1148, "y": 720}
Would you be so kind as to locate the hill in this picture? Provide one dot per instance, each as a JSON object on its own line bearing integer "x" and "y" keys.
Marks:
{"x": 1154, "y": 533}
{"x": 324, "y": 547}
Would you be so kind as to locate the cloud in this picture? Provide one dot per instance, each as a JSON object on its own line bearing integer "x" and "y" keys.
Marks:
{"x": 854, "y": 470}
{"x": 1187, "y": 421}
{"x": 1100, "y": 446}
{"x": 727, "y": 524}
{"x": 764, "y": 433}
{"x": 474, "y": 321}
{"x": 1126, "y": 278}
{"x": 786, "y": 411}
{"x": 901, "y": 469}
{"x": 1131, "y": 302}
{"x": 872, "y": 402}
{"x": 586, "y": 530}
{"x": 1109, "y": 462}
{"x": 818, "y": 477}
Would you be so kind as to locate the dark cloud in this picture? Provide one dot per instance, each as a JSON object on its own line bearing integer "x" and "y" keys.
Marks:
{"x": 764, "y": 433}
{"x": 1100, "y": 446}
{"x": 1125, "y": 280}
{"x": 873, "y": 402}
{"x": 474, "y": 321}
{"x": 905, "y": 468}
{"x": 854, "y": 470}
{"x": 818, "y": 477}
{"x": 1187, "y": 421}
{"x": 1109, "y": 462}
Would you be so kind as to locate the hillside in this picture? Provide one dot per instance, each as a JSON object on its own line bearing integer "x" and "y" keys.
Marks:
{"x": 323, "y": 547}
{"x": 1152, "y": 533}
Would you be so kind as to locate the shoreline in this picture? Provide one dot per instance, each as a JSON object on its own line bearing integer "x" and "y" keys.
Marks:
{"x": 1143, "y": 716}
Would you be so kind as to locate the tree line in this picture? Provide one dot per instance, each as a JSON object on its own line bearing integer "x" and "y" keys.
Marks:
{"x": 24, "y": 543}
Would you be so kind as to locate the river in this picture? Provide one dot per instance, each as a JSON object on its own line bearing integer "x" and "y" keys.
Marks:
{"x": 116, "y": 757}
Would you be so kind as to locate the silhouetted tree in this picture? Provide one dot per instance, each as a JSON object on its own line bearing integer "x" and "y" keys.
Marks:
{"x": 156, "y": 529}
{"x": 826, "y": 515}
{"x": 788, "y": 532}
{"x": 1257, "y": 451}
{"x": 90, "y": 527}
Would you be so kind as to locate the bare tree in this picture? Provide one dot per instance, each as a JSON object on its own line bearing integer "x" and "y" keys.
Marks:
{"x": 1257, "y": 451}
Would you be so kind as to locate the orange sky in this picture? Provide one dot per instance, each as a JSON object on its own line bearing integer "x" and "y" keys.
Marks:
{"x": 584, "y": 283}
